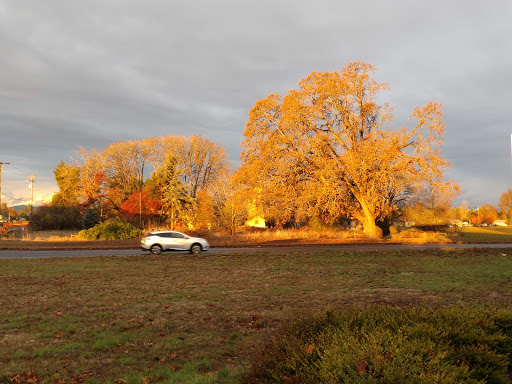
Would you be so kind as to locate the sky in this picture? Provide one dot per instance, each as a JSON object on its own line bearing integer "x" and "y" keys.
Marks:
{"x": 89, "y": 73}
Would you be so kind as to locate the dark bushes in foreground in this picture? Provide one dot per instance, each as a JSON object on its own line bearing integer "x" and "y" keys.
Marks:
{"x": 388, "y": 345}
{"x": 55, "y": 217}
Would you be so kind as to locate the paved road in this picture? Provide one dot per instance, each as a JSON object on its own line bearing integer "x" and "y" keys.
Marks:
{"x": 10, "y": 254}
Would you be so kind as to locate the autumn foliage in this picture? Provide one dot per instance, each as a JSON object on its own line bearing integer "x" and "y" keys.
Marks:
{"x": 325, "y": 152}
{"x": 140, "y": 206}
{"x": 152, "y": 181}
{"x": 328, "y": 149}
{"x": 505, "y": 204}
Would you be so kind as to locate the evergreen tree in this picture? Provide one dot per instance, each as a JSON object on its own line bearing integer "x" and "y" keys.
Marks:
{"x": 90, "y": 218}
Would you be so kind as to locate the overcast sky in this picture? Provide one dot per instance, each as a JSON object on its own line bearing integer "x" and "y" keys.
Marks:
{"x": 89, "y": 73}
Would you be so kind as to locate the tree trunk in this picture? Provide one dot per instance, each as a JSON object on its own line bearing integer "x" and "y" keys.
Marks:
{"x": 172, "y": 218}
{"x": 371, "y": 230}
{"x": 367, "y": 218}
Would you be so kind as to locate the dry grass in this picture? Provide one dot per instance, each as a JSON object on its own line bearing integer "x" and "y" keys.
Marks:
{"x": 69, "y": 244}
{"x": 416, "y": 236}
{"x": 68, "y": 239}
{"x": 177, "y": 318}
{"x": 53, "y": 236}
{"x": 302, "y": 236}
{"x": 483, "y": 234}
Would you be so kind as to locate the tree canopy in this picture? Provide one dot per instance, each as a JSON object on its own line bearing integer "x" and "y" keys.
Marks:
{"x": 505, "y": 203}
{"x": 158, "y": 176}
{"x": 328, "y": 148}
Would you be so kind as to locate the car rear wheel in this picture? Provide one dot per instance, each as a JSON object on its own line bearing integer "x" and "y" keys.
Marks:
{"x": 156, "y": 249}
{"x": 196, "y": 248}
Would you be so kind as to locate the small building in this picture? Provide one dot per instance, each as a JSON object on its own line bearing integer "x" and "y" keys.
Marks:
{"x": 500, "y": 223}
{"x": 256, "y": 221}
{"x": 404, "y": 224}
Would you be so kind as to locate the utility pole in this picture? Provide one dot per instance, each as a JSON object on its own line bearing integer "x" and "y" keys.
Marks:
{"x": 31, "y": 186}
{"x": 1, "y": 186}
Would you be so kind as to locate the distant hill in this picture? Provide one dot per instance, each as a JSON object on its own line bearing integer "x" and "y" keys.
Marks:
{"x": 22, "y": 207}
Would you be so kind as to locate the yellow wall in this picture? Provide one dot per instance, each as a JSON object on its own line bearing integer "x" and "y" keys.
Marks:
{"x": 256, "y": 221}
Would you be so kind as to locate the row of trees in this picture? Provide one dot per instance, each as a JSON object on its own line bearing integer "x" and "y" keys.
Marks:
{"x": 444, "y": 213}
{"x": 327, "y": 150}
{"x": 7, "y": 212}
{"x": 432, "y": 210}
{"x": 148, "y": 182}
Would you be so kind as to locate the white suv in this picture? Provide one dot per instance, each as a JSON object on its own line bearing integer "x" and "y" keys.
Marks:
{"x": 159, "y": 241}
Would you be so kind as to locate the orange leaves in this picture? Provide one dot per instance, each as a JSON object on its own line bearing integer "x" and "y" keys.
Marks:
{"x": 111, "y": 179}
{"x": 140, "y": 202}
{"x": 505, "y": 204}
{"x": 32, "y": 377}
{"x": 25, "y": 377}
{"x": 331, "y": 141}
{"x": 4, "y": 231}
{"x": 361, "y": 366}
{"x": 487, "y": 213}
{"x": 82, "y": 378}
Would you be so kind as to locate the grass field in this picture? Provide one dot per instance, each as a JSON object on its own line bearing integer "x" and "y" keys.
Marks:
{"x": 182, "y": 319}
{"x": 484, "y": 235}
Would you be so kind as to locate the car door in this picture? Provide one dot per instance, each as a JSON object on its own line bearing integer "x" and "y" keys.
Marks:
{"x": 162, "y": 239}
{"x": 180, "y": 241}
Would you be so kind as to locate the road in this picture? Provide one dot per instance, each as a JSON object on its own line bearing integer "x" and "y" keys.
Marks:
{"x": 26, "y": 254}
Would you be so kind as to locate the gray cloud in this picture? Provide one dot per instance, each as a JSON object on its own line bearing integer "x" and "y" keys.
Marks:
{"x": 91, "y": 73}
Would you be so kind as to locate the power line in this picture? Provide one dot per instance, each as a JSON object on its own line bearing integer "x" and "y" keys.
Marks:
{"x": 13, "y": 198}
{"x": 18, "y": 169}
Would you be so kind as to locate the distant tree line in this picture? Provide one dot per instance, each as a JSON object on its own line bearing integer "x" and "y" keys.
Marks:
{"x": 150, "y": 182}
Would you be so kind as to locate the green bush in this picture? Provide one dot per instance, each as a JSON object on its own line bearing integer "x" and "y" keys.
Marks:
{"x": 114, "y": 229}
{"x": 388, "y": 345}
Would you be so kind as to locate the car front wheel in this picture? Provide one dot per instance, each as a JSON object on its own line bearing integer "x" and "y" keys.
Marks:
{"x": 156, "y": 249}
{"x": 196, "y": 248}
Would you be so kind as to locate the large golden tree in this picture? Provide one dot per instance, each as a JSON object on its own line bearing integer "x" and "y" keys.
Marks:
{"x": 329, "y": 148}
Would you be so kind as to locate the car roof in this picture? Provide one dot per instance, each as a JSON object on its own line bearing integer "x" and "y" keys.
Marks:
{"x": 154, "y": 232}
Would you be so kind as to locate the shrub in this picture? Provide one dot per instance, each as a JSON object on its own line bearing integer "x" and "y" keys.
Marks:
{"x": 387, "y": 345}
{"x": 114, "y": 229}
